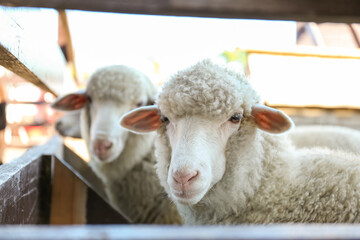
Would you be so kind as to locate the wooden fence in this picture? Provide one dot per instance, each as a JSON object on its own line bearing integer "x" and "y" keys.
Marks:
{"x": 50, "y": 193}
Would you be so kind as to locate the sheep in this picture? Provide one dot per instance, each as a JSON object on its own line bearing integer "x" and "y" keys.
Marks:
{"x": 123, "y": 161}
{"x": 333, "y": 137}
{"x": 69, "y": 124}
{"x": 225, "y": 158}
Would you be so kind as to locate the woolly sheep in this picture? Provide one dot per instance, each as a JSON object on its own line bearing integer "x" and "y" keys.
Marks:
{"x": 124, "y": 161}
{"x": 222, "y": 158}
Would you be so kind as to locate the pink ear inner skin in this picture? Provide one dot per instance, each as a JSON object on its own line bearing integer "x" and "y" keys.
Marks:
{"x": 70, "y": 102}
{"x": 142, "y": 121}
{"x": 271, "y": 120}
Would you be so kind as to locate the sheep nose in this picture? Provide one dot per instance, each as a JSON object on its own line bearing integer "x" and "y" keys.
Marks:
{"x": 184, "y": 177}
{"x": 101, "y": 148}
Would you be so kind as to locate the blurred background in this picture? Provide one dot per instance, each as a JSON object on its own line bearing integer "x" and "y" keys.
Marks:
{"x": 309, "y": 70}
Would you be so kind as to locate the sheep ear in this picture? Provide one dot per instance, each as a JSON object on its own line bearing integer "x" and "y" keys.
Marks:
{"x": 141, "y": 120}
{"x": 271, "y": 120}
{"x": 69, "y": 102}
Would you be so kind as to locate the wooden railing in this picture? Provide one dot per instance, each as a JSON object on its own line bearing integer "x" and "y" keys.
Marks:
{"x": 50, "y": 184}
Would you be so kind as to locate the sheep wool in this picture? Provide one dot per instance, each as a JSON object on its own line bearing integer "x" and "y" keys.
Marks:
{"x": 266, "y": 180}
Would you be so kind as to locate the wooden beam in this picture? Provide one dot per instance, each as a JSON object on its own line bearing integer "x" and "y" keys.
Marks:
{"x": 147, "y": 232}
{"x": 299, "y": 10}
{"x": 25, "y": 186}
{"x": 37, "y": 59}
{"x": 65, "y": 42}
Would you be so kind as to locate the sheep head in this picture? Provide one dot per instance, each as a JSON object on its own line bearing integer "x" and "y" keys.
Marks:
{"x": 198, "y": 111}
{"x": 110, "y": 92}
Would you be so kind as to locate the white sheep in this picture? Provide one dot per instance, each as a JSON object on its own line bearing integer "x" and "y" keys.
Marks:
{"x": 222, "y": 158}
{"x": 124, "y": 161}
{"x": 333, "y": 137}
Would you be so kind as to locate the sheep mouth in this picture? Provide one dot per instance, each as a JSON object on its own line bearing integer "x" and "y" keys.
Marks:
{"x": 104, "y": 157}
{"x": 186, "y": 197}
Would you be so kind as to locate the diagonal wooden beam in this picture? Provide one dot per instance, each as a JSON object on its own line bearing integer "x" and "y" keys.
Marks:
{"x": 37, "y": 59}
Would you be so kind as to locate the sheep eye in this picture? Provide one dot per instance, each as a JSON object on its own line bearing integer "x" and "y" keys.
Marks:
{"x": 139, "y": 104}
{"x": 236, "y": 118}
{"x": 164, "y": 119}
{"x": 89, "y": 99}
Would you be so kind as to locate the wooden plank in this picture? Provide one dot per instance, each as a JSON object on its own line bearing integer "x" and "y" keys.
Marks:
{"x": 299, "y": 10}
{"x": 275, "y": 231}
{"x": 25, "y": 189}
{"x": 98, "y": 208}
{"x": 68, "y": 201}
{"x": 83, "y": 171}
{"x": 37, "y": 59}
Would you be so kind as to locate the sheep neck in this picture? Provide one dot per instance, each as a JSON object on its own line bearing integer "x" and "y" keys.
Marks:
{"x": 248, "y": 168}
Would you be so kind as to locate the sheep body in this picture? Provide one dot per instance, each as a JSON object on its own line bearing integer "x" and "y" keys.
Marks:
{"x": 220, "y": 168}
{"x": 128, "y": 174}
{"x": 333, "y": 137}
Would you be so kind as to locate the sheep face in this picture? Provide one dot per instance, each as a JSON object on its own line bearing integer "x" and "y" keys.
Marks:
{"x": 198, "y": 154}
{"x": 107, "y": 138}
{"x": 110, "y": 92}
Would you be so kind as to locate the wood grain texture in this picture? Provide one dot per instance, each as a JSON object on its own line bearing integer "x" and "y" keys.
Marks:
{"x": 24, "y": 189}
{"x": 37, "y": 59}
{"x": 299, "y": 10}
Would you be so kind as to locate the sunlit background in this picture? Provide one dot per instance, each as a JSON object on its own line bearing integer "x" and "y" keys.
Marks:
{"x": 289, "y": 63}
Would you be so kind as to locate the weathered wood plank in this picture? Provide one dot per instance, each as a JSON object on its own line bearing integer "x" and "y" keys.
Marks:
{"x": 25, "y": 187}
{"x": 36, "y": 58}
{"x": 285, "y": 231}
{"x": 299, "y": 10}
